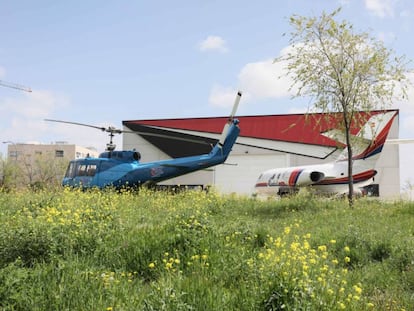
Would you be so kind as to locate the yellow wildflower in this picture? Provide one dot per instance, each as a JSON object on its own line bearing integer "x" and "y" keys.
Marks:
{"x": 357, "y": 289}
{"x": 322, "y": 248}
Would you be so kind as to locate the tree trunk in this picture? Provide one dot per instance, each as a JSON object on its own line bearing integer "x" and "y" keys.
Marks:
{"x": 350, "y": 162}
{"x": 350, "y": 178}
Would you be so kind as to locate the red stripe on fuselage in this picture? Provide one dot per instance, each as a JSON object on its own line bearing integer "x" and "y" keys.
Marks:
{"x": 294, "y": 177}
{"x": 356, "y": 178}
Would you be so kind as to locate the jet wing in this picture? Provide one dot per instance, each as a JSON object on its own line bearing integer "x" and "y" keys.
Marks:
{"x": 336, "y": 135}
{"x": 358, "y": 142}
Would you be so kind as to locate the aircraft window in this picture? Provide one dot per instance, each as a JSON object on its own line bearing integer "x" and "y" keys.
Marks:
{"x": 86, "y": 170}
{"x": 70, "y": 172}
{"x": 91, "y": 170}
{"x": 81, "y": 170}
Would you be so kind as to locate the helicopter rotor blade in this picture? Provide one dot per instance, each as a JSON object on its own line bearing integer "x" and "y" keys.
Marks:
{"x": 202, "y": 142}
{"x": 110, "y": 129}
{"x": 236, "y": 105}
{"x": 76, "y": 123}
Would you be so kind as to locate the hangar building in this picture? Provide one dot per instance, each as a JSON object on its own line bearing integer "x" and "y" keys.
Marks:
{"x": 265, "y": 142}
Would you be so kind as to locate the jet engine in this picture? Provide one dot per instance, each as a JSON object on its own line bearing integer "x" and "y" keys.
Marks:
{"x": 303, "y": 177}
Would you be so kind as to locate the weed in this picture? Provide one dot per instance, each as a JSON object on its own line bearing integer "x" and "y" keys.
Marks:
{"x": 108, "y": 250}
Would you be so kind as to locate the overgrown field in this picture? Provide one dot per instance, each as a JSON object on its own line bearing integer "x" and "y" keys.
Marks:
{"x": 72, "y": 250}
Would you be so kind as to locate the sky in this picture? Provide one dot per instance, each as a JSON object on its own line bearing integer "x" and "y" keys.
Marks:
{"x": 103, "y": 62}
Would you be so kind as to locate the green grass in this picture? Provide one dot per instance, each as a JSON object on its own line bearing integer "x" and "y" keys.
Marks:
{"x": 72, "y": 250}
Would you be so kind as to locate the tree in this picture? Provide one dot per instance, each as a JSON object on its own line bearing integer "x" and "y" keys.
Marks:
{"x": 342, "y": 71}
{"x": 41, "y": 171}
{"x": 49, "y": 170}
{"x": 10, "y": 173}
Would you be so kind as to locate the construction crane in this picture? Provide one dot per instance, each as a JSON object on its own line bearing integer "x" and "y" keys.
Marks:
{"x": 15, "y": 86}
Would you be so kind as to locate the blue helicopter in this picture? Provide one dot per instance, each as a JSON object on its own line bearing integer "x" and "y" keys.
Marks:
{"x": 120, "y": 169}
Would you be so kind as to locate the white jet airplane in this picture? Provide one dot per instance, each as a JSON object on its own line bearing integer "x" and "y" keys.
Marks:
{"x": 332, "y": 178}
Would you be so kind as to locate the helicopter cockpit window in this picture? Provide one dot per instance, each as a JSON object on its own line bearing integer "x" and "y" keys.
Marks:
{"x": 91, "y": 171}
{"x": 86, "y": 170}
{"x": 70, "y": 172}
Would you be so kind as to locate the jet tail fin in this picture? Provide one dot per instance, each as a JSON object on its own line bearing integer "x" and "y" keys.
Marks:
{"x": 369, "y": 141}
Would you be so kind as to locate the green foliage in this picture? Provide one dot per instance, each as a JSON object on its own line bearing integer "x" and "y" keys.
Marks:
{"x": 39, "y": 172}
{"x": 73, "y": 250}
{"x": 343, "y": 70}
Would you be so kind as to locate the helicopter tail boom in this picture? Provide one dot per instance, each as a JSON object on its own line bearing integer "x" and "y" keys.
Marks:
{"x": 221, "y": 151}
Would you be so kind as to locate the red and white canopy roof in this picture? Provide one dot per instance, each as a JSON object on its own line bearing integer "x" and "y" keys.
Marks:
{"x": 291, "y": 133}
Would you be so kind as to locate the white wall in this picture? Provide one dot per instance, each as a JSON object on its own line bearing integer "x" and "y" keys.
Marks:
{"x": 242, "y": 171}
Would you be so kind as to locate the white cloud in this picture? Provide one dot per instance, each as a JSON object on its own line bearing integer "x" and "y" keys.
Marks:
{"x": 37, "y": 104}
{"x": 213, "y": 43}
{"x": 222, "y": 96}
{"x": 264, "y": 79}
{"x": 381, "y": 8}
{"x": 22, "y": 116}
